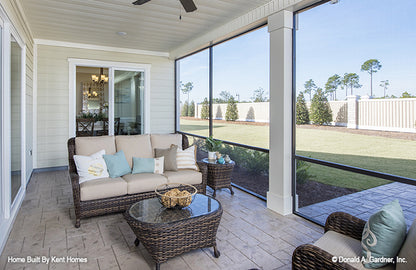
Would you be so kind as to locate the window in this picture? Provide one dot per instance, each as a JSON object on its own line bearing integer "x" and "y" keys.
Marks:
{"x": 355, "y": 104}
{"x": 223, "y": 91}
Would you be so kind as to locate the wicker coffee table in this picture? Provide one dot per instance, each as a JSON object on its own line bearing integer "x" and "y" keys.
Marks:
{"x": 166, "y": 233}
{"x": 219, "y": 175}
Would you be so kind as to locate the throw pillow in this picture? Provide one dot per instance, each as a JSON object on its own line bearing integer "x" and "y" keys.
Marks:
{"x": 117, "y": 164}
{"x": 383, "y": 235}
{"x": 186, "y": 158}
{"x": 169, "y": 155}
{"x": 159, "y": 165}
{"x": 143, "y": 165}
{"x": 91, "y": 167}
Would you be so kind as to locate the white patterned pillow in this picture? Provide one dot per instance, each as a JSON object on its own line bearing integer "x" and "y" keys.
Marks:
{"x": 159, "y": 165}
{"x": 185, "y": 159}
{"x": 91, "y": 167}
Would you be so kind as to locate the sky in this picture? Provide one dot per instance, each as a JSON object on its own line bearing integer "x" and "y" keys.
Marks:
{"x": 331, "y": 39}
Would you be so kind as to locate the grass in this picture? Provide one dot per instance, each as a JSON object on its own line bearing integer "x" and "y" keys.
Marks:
{"x": 388, "y": 155}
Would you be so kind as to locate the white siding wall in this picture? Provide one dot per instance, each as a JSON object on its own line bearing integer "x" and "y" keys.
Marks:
{"x": 53, "y": 96}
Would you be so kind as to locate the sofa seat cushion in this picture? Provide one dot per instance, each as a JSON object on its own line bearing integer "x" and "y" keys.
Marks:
{"x": 103, "y": 188}
{"x": 143, "y": 182}
{"x": 164, "y": 141}
{"x": 184, "y": 176}
{"x": 134, "y": 146}
{"x": 86, "y": 146}
{"x": 341, "y": 245}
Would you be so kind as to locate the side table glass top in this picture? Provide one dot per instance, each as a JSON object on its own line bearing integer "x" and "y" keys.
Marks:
{"x": 152, "y": 211}
{"x": 206, "y": 160}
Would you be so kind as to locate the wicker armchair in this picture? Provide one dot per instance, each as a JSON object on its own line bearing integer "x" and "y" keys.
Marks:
{"x": 308, "y": 257}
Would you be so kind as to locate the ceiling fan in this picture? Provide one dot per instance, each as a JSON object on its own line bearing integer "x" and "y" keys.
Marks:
{"x": 188, "y": 5}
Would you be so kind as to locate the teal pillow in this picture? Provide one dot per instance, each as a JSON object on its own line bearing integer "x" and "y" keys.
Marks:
{"x": 383, "y": 235}
{"x": 143, "y": 165}
{"x": 117, "y": 164}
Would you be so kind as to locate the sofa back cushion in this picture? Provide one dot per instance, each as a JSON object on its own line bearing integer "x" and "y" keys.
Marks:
{"x": 164, "y": 141}
{"x": 86, "y": 146}
{"x": 408, "y": 250}
{"x": 134, "y": 146}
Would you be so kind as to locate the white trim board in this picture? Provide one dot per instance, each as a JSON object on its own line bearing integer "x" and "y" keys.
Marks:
{"x": 97, "y": 47}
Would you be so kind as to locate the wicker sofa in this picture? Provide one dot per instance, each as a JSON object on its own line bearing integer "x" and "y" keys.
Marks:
{"x": 342, "y": 237}
{"x": 101, "y": 196}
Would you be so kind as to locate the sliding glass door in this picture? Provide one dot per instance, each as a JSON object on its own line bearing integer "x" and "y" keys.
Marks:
{"x": 128, "y": 102}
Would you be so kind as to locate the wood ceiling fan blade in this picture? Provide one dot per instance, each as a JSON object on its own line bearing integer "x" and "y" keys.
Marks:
{"x": 140, "y": 2}
{"x": 188, "y": 5}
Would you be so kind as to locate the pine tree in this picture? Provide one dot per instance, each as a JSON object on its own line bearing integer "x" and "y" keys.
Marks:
{"x": 205, "y": 109}
{"x": 320, "y": 111}
{"x": 232, "y": 112}
{"x": 185, "y": 108}
{"x": 191, "y": 109}
{"x": 302, "y": 114}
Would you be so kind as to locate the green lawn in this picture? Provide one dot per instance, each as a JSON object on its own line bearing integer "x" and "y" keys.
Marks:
{"x": 394, "y": 156}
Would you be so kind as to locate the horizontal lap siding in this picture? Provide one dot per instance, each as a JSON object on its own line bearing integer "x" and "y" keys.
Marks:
{"x": 53, "y": 96}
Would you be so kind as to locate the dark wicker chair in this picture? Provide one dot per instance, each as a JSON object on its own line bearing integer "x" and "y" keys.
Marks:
{"x": 309, "y": 257}
{"x": 85, "y": 127}
{"x": 104, "y": 206}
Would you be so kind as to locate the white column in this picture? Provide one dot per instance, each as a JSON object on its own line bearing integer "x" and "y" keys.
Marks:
{"x": 352, "y": 111}
{"x": 279, "y": 197}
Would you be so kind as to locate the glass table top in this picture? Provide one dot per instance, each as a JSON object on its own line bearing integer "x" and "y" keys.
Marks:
{"x": 152, "y": 211}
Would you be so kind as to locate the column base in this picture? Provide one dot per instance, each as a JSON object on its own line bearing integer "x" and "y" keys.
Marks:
{"x": 279, "y": 204}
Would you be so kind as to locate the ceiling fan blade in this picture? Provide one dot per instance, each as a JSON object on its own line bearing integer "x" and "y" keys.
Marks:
{"x": 140, "y": 2}
{"x": 188, "y": 5}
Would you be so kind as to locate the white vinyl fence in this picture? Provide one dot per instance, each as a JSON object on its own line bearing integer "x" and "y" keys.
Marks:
{"x": 398, "y": 114}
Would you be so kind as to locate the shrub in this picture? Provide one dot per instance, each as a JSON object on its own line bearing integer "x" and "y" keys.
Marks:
{"x": 185, "y": 108}
{"x": 205, "y": 109}
{"x": 302, "y": 171}
{"x": 232, "y": 112}
{"x": 302, "y": 114}
{"x": 320, "y": 111}
{"x": 255, "y": 162}
{"x": 191, "y": 109}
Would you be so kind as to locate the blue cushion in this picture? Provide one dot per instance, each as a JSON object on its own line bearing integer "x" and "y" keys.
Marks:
{"x": 143, "y": 165}
{"x": 117, "y": 164}
{"x": 383, "y": 235}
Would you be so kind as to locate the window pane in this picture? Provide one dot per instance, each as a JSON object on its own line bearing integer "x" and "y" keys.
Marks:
{"x": 241, "y": 89}
{"x": 128, "y": 102}
{"x": 193, "y": 88}
{"x": 16, "y": 119}
{"x": 323, "y": 190}
{"x": 368, "y": 57}
{"x": 92, "y": 101}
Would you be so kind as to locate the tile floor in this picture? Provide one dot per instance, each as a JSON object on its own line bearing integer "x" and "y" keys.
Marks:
{"x": 249, "y": 236}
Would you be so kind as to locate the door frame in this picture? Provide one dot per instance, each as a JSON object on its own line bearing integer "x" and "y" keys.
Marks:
{"x": 74, "y": 62}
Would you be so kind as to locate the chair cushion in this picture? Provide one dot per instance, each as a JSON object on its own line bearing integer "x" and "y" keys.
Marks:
{"x": 117, "y": 164}
{"x": 341, "y": 245}
{"x": 103, "y": 188}
{"x": 408, "y": 250}
{"x": 184, "y": 176}
{"x": 143, "y": 182}
{"x": 166, "y": 140}
{"x": 87, "y": 146}
{"x": 134, "y": 146}
{"x": 383, "y": 234}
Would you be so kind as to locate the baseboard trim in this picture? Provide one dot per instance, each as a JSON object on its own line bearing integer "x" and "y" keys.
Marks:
{"x": 51, "y": 169}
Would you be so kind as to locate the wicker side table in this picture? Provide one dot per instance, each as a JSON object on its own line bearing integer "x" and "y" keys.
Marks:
{"x": 219, "y": 175}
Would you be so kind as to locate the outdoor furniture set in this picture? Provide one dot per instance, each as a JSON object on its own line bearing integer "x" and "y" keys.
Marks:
{"x": 165, "y": 233}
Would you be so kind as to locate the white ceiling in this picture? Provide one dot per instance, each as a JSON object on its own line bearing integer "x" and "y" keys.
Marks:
{"x": 154, "y": 26}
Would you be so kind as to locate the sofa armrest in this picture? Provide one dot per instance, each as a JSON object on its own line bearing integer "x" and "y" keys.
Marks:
{"x": 346, "y": 224}
{"x": 203, "y": 168}
{"x": 310, "y": 257}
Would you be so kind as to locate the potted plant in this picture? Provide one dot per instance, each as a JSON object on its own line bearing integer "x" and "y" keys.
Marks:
{"x": 212, "y": 145}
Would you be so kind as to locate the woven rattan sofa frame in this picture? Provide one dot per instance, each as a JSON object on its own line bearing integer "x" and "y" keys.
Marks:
{"x": 309, "y": 257}
{"x": 118, "y": 204}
